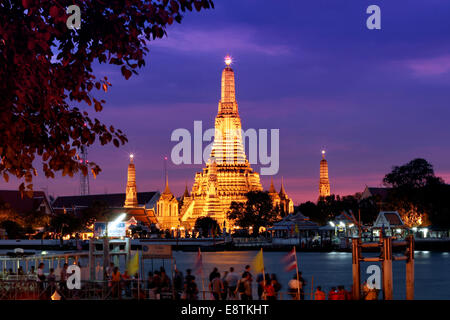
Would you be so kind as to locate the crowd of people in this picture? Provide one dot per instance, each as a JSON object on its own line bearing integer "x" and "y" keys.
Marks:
{"x": 230, "y": 285}
{"x": 47, "y": 284}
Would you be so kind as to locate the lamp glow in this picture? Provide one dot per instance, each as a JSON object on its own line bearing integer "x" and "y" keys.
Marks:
{"x": 228, "y": 60}
{"x": 120, "y": 218}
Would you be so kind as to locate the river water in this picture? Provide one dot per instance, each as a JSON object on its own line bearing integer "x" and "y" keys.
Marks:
{"x": 432, "y": 269}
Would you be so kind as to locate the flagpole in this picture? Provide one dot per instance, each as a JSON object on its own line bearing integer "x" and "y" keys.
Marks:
{"x": 263, "y": 269}
{"x": 201, "y": 274}
{"x": 296, "y": 269}
{"x": 139, "y": 274}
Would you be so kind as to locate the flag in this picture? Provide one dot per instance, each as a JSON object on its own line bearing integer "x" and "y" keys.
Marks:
{"x": 258, "y": 262}
{"x": 198, "y": 269}
{"x": 133, "y": 264}
{"x": 290, "y": 260}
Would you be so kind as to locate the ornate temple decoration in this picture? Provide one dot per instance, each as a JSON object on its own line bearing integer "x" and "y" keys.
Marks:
{"x": 324, "y": 182}
{"x": 131, "y": 191}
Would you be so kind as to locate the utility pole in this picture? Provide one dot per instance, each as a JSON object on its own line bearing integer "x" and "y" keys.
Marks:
{"x": 84, "y": 179}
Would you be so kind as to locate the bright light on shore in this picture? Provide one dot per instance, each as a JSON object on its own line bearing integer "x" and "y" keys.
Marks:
{"x": 120, "y": 218}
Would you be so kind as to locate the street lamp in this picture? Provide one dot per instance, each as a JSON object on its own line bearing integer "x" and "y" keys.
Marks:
{"x": 115, "y": 222}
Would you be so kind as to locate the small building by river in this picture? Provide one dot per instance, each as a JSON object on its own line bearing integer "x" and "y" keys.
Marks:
{"x": 295, "y": 229}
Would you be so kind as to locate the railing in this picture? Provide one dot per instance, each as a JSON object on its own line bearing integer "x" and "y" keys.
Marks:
{"x": 24, "y": 288}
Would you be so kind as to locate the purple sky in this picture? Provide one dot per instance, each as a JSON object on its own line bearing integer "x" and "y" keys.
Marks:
{"x": 373, "y": 99}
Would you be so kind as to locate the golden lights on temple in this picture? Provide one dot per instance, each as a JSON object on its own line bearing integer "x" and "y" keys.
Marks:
{"x": 131, "y": 190}
{"x": 221, "y": 181}
{"x": 228, "y": 60}
{"x": 324, "y": 181}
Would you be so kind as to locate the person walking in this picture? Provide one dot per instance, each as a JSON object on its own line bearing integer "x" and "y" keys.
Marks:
{"x": 319, "y": 294}
{"x": 260, "y": 283}
{"x": 276, "y": 285}
{"x": 269, "y": 290}
{"x": 32, "y": 272}
{"x": 157, "y": 284}
{"x": 191, "y": 289}
{"x": 109, "y": 271}
{"x": 332, "y": 295}
{"x": 216, "y": 287}
{"x": 213, "y": 274}
{"x": 341, "y": 293}
{"x": 232, "y": 280}
{"x": 369, "y": 293}
{"x": 63, "y": 279}
{"x": 302, "y": 286}
{"x": 178, "y": 284}
{"x": 247, "y": 269}
{"x": 115, "y": 280}
{"x": 41, "y": 277}
{"x": 51, "y": 279}
{"x": 295, "y": 286}
{"x": 189, "y": 276}
{"x": 224, "y": 293}
{"x": 126, "y": 280}
{"x": 165, "y": 281}
{"x": 349, "y": 293}
{"x": 244, "y": 287}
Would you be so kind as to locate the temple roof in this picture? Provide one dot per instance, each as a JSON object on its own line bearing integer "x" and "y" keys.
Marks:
{"x": 289, "y": 222}
{"x": 282, "y": 191}
{"x": 167, "y": 189}
{"x": 272, "y": 187}
{"x": 388, "y": 219}
{"x": 23, "y": 204}
{"x": 186, "y": 192}
{"x": 113, "y": 200}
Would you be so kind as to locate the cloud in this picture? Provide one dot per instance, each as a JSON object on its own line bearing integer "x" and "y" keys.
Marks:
{"x": 429, "y": 66}
{"x": 228, "y": 40}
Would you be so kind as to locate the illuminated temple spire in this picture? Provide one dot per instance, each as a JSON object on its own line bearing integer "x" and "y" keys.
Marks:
{"x": 167, "y": 189}
{"x": 131, "y": 192}
{"x": 272, "y": 187}
{"x": 228, "y": 176}
{"x": 186, "y": 192}
{"x": 228, "y": 147}
{"x": 324, "y": 182}
{"x": 282, "y": 191}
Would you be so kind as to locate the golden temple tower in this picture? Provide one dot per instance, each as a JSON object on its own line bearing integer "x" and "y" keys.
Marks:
{"x": 274, "y": 194}
{"x": 131, "y": 192}
{"x": 228, "y": 175}
{"x": 167, "y": 209}
{"x": 286, "y": 203}
{"x": 324, "y": 182}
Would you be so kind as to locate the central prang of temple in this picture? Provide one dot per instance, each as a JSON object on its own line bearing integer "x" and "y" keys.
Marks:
{"x": 228, "y": 175}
